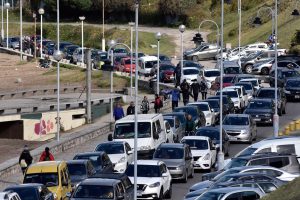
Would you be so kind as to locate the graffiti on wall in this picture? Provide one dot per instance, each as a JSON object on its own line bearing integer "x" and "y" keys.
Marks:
{"x": 43, "y": 127}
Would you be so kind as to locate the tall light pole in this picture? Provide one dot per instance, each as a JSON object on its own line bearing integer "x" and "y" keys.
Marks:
{"x": 82, "y": 18}
{"x": 158, "y": 37}
{"x": 110, "y": 52}
{"x": 103, "y": 38}
{"x": 181, "y": 30}
{"x": 7, "y": 5}
{"x": 131, "y": 24}
{"x": 240, "y": 28}
{"x": 34, "y": 18}
{"x": 21, "y": 29}
{"x": 2, "y": 30}
{"x": 41, "y": 12}
{"x": 220, "y": 153}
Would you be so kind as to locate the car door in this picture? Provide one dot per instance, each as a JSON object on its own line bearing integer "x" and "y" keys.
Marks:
{"x": 189, "y": 159}
{"x": 129, "y": 153}
{"x": 166, "y": 180}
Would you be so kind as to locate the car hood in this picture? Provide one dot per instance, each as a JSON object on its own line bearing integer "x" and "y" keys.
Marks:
{"x": 168, "y": 72}
{"x": 115, "y": 157}
{"x": 142, "y": 142}
{"x": 171, "y": 162}
{"x": 235, "y": 128}
{"x": 76, "y": 179}
{"x": 145, "y": 180}
{"x": 258, "y": 111}
{"x": 201, "y": 185}
{"x": 194, "y": 194}
{"x": 201, "y": 153}
{"x": 293, "y": 88}
{"x": 211, "y": 79}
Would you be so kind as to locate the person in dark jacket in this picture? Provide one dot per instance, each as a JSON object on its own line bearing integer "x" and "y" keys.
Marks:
{"x": 175, "y": 97}
{"x": 130, "y": 109}
{"x": 46, "y": 155}
{"x": 177, "y": 74}
{"x": 189, "y": 126}
{"x": 195, "y": 87}
{"x": 25, "y": 159}
{"x": 145, "y": 105}
{"x": 203, "y": 89}
{"x": 158, "y": 104}
{"x": 118, "y": 112}
{"x": 185, "y": 89}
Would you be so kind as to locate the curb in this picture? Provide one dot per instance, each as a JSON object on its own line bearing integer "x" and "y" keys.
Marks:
{"x": 291, "y": 128}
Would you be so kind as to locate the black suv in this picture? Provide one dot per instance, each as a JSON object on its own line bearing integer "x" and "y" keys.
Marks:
{"x": 269, "y": 93}
{"x": 283, "y": 75}
{"x": 292, "y": 89}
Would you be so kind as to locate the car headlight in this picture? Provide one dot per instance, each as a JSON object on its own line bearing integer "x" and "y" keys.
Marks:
{"x": 123, "y": 159}
{"x": 145, "y": 147}
{"x": 244, "y": 131}
{"x": 206, "y": 157}
{"x": 157, "y": 184}
{"x": 287, "y": 92}
{"x": 180, "y": 167}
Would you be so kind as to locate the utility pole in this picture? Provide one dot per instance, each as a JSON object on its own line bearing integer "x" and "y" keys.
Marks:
{"x": 88, "y": 85}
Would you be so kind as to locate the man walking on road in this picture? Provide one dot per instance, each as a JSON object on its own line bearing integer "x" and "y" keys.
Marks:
{"x": 195, "y": 87}
{"x": 46, "y": 155}
{"x": 145, "y": 105}
{"x": 118, "y": 112}
{"x": 185, "y": 89}
{"x": 175, "y": 97}
{"x": 177, "y": 74}
{"x": 158, "y": 104}
{"x": 203, "y": 89}
{"x": 130, "y": 109}
{"x": 25, "y": 159}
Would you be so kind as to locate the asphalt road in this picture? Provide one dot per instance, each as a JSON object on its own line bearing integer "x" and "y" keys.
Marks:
{"x": 293, "y": 108}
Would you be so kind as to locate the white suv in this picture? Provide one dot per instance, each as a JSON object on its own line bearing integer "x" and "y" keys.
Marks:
{"x": 233, "y": 94}
{"x": 207, "y": 111}
{"x": 9, "y": 196}
{"x": 203, "y": 151}
{"x": 153, "y": 179}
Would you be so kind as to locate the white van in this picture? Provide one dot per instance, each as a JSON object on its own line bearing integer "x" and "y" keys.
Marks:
{"x": 145, "y": 64}
{"x": 151, "y": 132}
{"x": 285, "y": 145}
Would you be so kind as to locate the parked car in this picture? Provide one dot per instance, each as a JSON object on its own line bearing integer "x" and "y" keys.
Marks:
{"x": 166, "y": 72}
{"x": 80, "y": 170}
{"x": 269, "y": 93}
{"x": 13, "y": 42}
{"x": 178, "y": 159}
{"x": 203, "y": 151}
{"x": 243, "y": 96}
{"x": 240, "y": 77}
{"x": 282, "y": 76}
{"x": 261, "y": 111}
{"x": 230, "y": 67}
{"x": 189, "y": 74}
{"x": 202, "y": 52}
{"x": 9, "y": 195}
{"x": 208, "y": 112}
{"x": 263, "y": 68}
{"x": 286, "y": 64}
{"x": 90, "y": 189}
{"x": 182, "y": 118}
{"x": 68, "y": 52}
{"x": 209, "y": 75}
{"x": 233, "y": 94}
{"x": 145, "y": 64}
{"x": 123, "y": 52}
{"x": 53, "y": 174}
{"x": 176, "y": 126}
{"x": 189, "y": 63}
{"x": 240, "y": 127}
{"x": 99, "y": 159}
{"x": 126, "y": 65}
{"x": 228, "y": 80}
{"x": 49, "y": 48}
{"x": 125, "y": 181}
{"x": 228, "y": 104}
{"x": 292, "y": 89}
{"x": 154, "y": 180}
{"x": 32, "y": 191}
{"x": 119, "y": 152}
{"x": 214, "y": 134}
{"x": 215, "y": 105}
{"x": 197, "y": 116}
{"x": 256, "y": 58}
{"x": 98, "y": 58}
{"x": 62, "y": 45}
{"x": 248, "y": 88}
{"x": 254, "y": 81}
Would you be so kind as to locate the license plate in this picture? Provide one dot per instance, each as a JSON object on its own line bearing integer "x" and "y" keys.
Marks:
{"x": 139, "y": 193}
{"x": 257, "y": 119}
{"x": 297, "y": 96}
{"x": 232, "y": 138}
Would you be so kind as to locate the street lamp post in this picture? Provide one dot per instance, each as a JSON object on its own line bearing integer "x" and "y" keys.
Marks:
{"x": 258, "y": 22}
{"x": 181, "y": 30}
{"x": 103, "y": 39}
{"x": 34, "y": 17}
{"x": 218, "y": 29}
{"x": 158, "y": 37}
{"x": 7, "y": 5}
{"x": 240, "y": 28}
{"x": 21, "y": 29}
{"x": 82, "y": 18}
{"x": 131, "y": 24}
{"x": 41, "y": 12}
{"x": 2, "y": 30}
{"x": 58, "y": 55}
{"x": 110, "y": 52}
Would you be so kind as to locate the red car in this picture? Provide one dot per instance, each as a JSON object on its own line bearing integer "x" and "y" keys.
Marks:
{"x": 126, "y": 65}
{"x": 228, "y": 80}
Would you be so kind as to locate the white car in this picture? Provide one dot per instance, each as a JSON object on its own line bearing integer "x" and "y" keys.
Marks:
{"x": 190, "y": 73}
{"x": 207, "y": 111}
{"x": 209, "y": 76}
{"x": 153, "y": 179}
{"x": 203, "y": 151}
{"x": 119, "y": 152}
{"x": 242, "y": 93}
{"x": 9, "y": 195}
{"x": 255, "y": 82}
{"x": 170, "y": 133}
{"x": 233, "y": 94}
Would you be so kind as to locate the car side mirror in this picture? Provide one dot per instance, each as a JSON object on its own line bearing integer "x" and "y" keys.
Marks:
{"x": 130, "y": 152}
{"x": 164, "y": 175}
{"x": 109, "y": 137}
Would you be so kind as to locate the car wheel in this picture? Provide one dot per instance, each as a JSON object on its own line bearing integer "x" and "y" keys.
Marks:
{"x": 227, "y": 152}
{"x": 93, "y": 66}
{"x": 192, "y": 173}
{"x": 185, "y": 178}
{"x": 265, "y": 71}
{"x": 169, "y": 193}
{"x": 195, "y": 58}
{"x": 161, "y": 194}
{"x": 248, "y": 69}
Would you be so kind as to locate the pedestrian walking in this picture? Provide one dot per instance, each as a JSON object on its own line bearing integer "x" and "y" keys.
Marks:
{"x": 118, "y": 112}
{"x": 203, "y": 89}
{"x": 177, "y": 74}
{"x": 131, "y": 109}
{"x": 175, "y": 97}
{"x": 46, "y": 155}
{"x": 145, "y": 105}
{"x": 189, "y": 126}
{"x": 185, "y": 90}
{"x": 25, "y": 159}
{"x": 158, "y": 104}
{"x": 195, "y": 87}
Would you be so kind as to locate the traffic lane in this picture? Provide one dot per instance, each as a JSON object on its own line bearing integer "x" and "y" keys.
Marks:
{"x": 263, "y": 132}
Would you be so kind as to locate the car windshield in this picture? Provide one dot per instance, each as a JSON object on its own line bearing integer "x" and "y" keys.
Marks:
{"x": 128, "y": 61}
{"x": 247, "y": 152}
{"x": 211, "y": 73}
{"x": 236, "y": 121}
{"x": 187, "y": 110}
{"x": 260, "y": 105}
{"x": 211, "y": 196}
{"x": 196, "y": 144}
{"x": 212, "y": 134}
{"x": 232, "y": 70}
{"x": 167, "y": 67}
{"x": 269, "y": 94}
{"x": 77, "y": 169}
{"x": 202, "y": 107}
{"x": 228, "y": 79}
{"x": 236, "y": 162}
{"x": 213, "y": 104}
{"x": 111, "y": 148}
{"x": 190, "y": 71}
{"x": 126, "y": 130}
{"x": 144, "y": 171}
{"x": 293, "y": 83}
{"x": 290, "y": 74}
{"x": 246, "y": 86}
{"x": 96, "y": 160}
{"x": 94, "y": 192}
{"x": 171, "y": 121}
{"x": 232, "y": 94}
{"x": 225, "y": 99}
{"x": 169, "y": 153}
{"x": 150, "y": 64}
{"x": 15, "y": 39}
{"x": 254, "y": 82}
{"x": 225, "y": 173}
{"x": 48, "y": 179}
{"x": 26, "y": 193}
